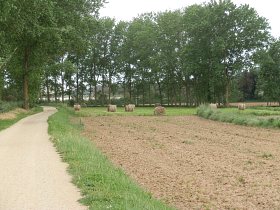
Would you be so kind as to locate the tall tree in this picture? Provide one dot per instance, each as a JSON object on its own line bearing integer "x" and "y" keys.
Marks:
{"x": 37, "y": 29}
{"x": 269, "y": 73}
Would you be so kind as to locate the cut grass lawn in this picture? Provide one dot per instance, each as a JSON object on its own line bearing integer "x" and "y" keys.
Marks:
{"x": 253, "y": 116}
{"x": 8, "y": 122}
{"x": 102, "y": 185}
{"x": 139, "y": 111}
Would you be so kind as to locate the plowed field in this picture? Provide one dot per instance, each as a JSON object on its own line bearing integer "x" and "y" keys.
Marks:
{"x": 193, "y": 163}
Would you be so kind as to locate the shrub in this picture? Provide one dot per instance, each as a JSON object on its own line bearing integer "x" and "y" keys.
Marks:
{"x": 8, "y": 106}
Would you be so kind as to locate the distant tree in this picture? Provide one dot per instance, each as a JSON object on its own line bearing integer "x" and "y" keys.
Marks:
{"x": 269, "y": 74}
{"x": 222, "y": 44}
{"x": 248, "y": 84}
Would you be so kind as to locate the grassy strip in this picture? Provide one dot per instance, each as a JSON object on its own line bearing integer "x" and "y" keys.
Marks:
{"x": 102, "y": 185}
{"x": 139, "y": 111}
{"x": 7, "y": 123}
{"x": 249, "y": 117}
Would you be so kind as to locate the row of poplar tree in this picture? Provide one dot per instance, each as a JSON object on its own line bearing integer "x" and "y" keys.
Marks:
{"x": 61, "y": 49}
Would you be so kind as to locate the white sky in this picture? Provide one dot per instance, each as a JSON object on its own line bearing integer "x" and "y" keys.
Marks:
{"x": 127, "y": 9}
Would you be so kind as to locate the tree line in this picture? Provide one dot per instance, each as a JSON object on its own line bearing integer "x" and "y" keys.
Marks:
{"x": 205, "y": 53}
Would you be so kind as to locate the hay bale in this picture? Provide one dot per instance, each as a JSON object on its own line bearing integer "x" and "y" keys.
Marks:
{"x": 77, "y": 107}
{"x": 242, "y": 106}
{"x": 213, "y": 106}
{"x": 129, "y": 107}
{"x": 157, "y": 104}
{"x": 159, "y": 110}
{"x": 112, "y": 108}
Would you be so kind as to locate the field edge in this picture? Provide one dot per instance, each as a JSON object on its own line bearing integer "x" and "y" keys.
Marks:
{"x": 102, "y": 185}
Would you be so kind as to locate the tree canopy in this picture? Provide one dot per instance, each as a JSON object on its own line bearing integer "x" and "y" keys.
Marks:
{"x": 190, "y": 56}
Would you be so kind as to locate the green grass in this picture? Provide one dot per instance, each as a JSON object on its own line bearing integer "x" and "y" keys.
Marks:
{"x": 255, "y": 116}
{"x": 102, "y": 185}
{"x": 7, "y": 123}
{"x": 139, "y": 111}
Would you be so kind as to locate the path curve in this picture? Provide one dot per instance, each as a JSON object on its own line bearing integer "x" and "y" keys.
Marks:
{"x": 32, "y": 175}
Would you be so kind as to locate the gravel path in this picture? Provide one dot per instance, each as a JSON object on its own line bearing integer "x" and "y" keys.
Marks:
{"x": 32, "y": 176}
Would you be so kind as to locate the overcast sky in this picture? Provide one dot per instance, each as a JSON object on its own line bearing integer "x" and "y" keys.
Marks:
{"x": 127, "y": 9}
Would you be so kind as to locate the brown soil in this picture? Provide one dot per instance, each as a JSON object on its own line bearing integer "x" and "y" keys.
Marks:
{"x": 193, "y": 163}
{"x": 12, "y": 114}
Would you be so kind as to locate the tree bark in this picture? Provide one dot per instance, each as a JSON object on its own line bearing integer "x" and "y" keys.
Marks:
{"x": 227, "y": 93}
{"x": 62, "y": 87}
{"x": 103, "y": 90}
{"x": 48, "y": 89}
{"x": 160, "y": 91}
{"x": 55, "y": 89}
{"x": 25, "y": 79}
{"x": 124, "y": 90}
{"x": 77, "y": 87}
{"x": 1, "y": 84}
{"x": 110, "y": 86}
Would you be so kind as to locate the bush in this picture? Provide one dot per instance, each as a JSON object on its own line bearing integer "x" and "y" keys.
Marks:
{"x": 8, "y": 106}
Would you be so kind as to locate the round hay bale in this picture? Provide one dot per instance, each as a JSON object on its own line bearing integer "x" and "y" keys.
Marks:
{"x": 129, "y": 107}
{"x": 242, "y": 106}
{"x": 157, "y": 104}
{"x": 213, "y": 106}
{"x": 112, "y": 108}
{"x": 159, "y": 110}
{"x": 77, "y": 107}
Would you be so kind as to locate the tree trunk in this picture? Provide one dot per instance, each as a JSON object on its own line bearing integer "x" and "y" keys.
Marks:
{"x": 124, "y": 89}
{"x": 130, "y": 89}
{"x": 55, "y": 89}
{"x": 227, "y": 94}
{"x": 103, "y": 91}
{"x": 69, "y": 93}
{"x": 62, "y": 87}
{"x": 25, "y": 79}
{"x": 77, "y": 87}
{"x": 187, "y": 93}
{"x": 48, "y": 89}
{"x": 109, "y": 87}
{"x": 150, "y": 98}
{"x": 160, "y": 91}
{"x": 1, "y": 84}
{"x": 168, "y": 90}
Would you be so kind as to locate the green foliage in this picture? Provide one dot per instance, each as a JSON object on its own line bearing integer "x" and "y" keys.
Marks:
{"x": 263, "y": 117}
{"x": 40, "y": 31}
{"x": 168, "y": 57}
{"x": 102, "y": 185}
{"x": 221, "y": 45}
{"x": 270, "y": 72}
{"x": 7, "y": 106}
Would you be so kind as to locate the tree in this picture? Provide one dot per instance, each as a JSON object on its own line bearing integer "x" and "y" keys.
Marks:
{"x": 223, "y": 44}
{"x": 269, "y": 74}
{"x": 38, "y": 28}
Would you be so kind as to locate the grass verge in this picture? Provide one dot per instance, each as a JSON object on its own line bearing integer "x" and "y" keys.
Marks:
{"x": 102, "y": 185}
{"x": 8, "y": 122}
{"x": 261, "y": 117}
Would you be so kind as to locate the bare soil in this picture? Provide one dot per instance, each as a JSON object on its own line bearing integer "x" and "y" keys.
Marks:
{"x": 193, "y": 163}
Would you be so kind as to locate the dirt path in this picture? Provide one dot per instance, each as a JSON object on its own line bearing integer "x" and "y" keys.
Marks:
{"x": 32, "y": 176}
{"x": 193, "y": 163}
